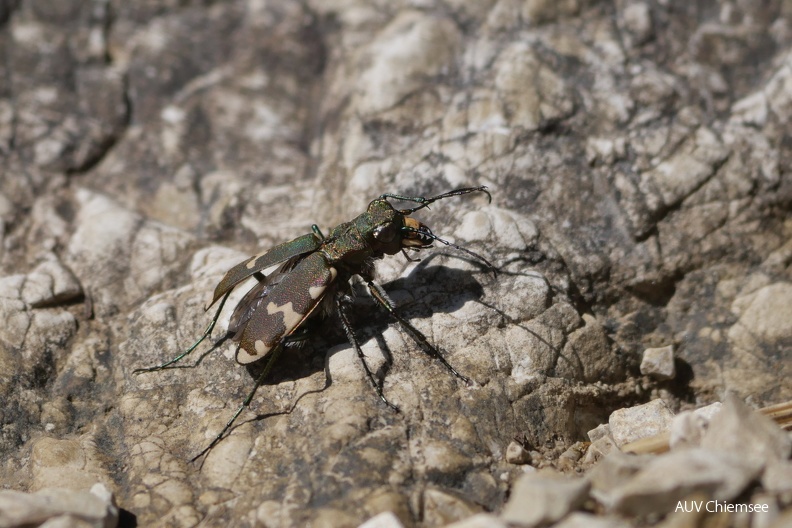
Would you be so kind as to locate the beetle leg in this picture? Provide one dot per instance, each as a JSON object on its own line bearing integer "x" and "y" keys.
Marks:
{"x": 342, "y": 312}
{"x": 409, "y": 259}
{"x": 273, "y": 356}
{"x": 382, "y": 298}
{"x": 184, "y": 354}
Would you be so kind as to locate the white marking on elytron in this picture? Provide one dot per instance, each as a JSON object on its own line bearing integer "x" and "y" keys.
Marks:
{"x": 316, "y": 291}
{"x": 261, "y": 347}
{"x": 290, "y": 317}
{"x": 252, "y": 263}
{"x": 244, "y": 358}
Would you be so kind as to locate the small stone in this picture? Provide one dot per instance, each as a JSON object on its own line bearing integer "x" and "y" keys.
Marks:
{"x": 588, "y": 520}
{"x": 442, "y": 458}
{"x": 517, "y": 454}
{"x": 688, "y": 427}
{"x": 769, "y": 312}
{"x": 385, "y": 499}
{"x": 599, "y": 448}
{"x": 569, "y": 458}
{"x": 751, "y": 110}
{"x": 777, "y": 478}
{"x": 542, "y": 498}
{"x": 598, "y": 432}
{"x": 50, "y": 283}
{"x": 325, "y": 516}
{"x": 659, "y": 363}
{"x": 383, "y": 520}
{"x": 57, "y": 507}
{"x": 613, "y": 471}
{"x": 480, "y": 520}
{"x": 649, "y": 419}
{"x": 442, "y": 507}
{"x": 739, "y": 430}
{"x": 636, "y": 20}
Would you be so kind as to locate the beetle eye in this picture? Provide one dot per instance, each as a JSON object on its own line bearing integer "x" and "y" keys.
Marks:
{"x": 385, "y": 233}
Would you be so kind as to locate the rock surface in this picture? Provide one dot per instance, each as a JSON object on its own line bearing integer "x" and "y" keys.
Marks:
{"x": 637, "y": 154}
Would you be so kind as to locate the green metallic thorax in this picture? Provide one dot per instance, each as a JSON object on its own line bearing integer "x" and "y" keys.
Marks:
{"x": 355, "y": 242}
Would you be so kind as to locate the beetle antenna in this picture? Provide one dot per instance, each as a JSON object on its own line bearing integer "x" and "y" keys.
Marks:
{"x": 424, "y": 202}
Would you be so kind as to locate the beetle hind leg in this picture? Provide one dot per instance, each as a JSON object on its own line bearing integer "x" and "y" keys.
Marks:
{"x": 273, "y": 356}
{"x": 342, "y": 312}
{"x": 382, "y": 299}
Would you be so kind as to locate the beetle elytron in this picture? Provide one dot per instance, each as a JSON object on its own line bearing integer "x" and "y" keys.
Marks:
{"x": 316, "y": 270}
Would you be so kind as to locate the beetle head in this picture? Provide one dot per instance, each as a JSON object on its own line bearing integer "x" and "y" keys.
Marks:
{"x": 394, "y": 230}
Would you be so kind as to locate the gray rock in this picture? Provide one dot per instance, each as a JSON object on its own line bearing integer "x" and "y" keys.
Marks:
{"x": 659, "y": 363}
{"x": 517, "y": 454}
{"x": 613, "y": 472}
{"x": 383, "y": 520}
{"x": 761, "y": 328}
{"x": 69, "y": 464}
{"x": 50, "y": 283}
{"x": 777, "y": 477}
{"x": 480, "y": 520}
{"x": 641, "y": 421}
{"x": 442, "y": 507}
{"x": 543, "y": 498}
{"x": 739, "y": 430}
{"x": 598, "y": 432}
{"x": 59, "y": 507}
{"x": 588, "y": 520}
{"x": 688, "y": 427}
{"x": 599, "y": 448}
{"x": 669, "y": 478}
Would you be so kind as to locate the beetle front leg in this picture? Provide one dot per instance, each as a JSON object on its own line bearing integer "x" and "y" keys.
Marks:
{"x": 342, "y": 312}
{"x": 382, "y": 299}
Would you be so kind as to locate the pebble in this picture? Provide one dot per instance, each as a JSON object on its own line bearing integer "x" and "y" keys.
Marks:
{"x": 658, "y": 363}
{"x": 649, "y": 419}
{"x": 739, "y": 430}
{"x": 542, "y": 498}
{"x": 383, "y": 520}
{"x": 588, "y": 520}
{"x": 599, "y": 448}
{"x": 688, "y": 427}
{"x": 670, "y": 478}
{"x": 480, "y": 520}
{"x": 517, "y": 454}
{"x": 59, "y": 507}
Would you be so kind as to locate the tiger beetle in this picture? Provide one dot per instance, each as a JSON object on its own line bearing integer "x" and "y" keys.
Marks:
{"x": 316, "y": 270}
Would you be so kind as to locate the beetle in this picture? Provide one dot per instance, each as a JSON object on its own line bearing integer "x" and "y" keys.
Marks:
{"x": 314, "y": 271}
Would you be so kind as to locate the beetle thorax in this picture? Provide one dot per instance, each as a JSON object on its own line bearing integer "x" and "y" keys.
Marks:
{"x": 373, "y": 234}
